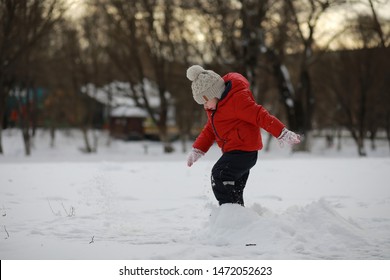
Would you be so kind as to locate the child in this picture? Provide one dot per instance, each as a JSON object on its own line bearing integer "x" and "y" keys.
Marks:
{"x": 234, "y": 122}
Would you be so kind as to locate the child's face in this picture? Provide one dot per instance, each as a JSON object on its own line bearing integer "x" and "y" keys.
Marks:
{"x": 211, "y": 104}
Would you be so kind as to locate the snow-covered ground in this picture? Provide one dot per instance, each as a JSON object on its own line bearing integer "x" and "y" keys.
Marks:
{"x": 131, "y": 201}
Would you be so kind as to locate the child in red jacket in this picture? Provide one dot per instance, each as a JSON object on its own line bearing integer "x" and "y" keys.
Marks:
{"x": 234, "y": 122}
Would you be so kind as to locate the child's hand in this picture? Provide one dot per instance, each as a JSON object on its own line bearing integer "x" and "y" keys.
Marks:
{"x": 193, "y": 156}
{"x": 288, "y": 137}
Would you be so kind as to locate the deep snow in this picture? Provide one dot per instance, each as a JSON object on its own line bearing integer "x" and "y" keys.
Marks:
{"x": 124, "y": 204}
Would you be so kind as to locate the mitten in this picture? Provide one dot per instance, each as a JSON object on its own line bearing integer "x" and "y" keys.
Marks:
{"x": 193, "y": 156}
{"x": 288, "y": 137}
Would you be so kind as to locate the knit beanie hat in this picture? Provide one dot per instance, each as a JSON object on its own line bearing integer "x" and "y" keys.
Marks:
{"x": 206, "y": 84}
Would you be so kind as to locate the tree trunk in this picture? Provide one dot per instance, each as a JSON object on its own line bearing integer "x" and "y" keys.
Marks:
{"x": 1, "y": 133}
{"x": 294, "y": 107}
{"x": 268, "y": 143}
{"x": 372, "y": 139}
{"x": 167, "y": 145}
{"x": 339, "y": 138}
{"x": 2, "y": 113}
{"x": 361, "y": 148}
{"x": 26, "y": 140}
{"x": 359, "y": 140}
{"x": 388, "y": 128}
{"x": 87, "y": 148}
{"x": 184, "y": 140}
{"x": 52, "y": 135}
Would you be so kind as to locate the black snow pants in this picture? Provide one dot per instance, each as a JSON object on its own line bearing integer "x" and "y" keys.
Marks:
{"x": 229, "y": 176}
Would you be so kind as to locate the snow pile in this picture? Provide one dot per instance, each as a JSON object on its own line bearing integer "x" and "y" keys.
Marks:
{"x": 231, "y": 224}
{"x": 315, "y": 231}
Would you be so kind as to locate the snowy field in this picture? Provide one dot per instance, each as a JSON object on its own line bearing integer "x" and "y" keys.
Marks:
{"x": 123, "y": 203}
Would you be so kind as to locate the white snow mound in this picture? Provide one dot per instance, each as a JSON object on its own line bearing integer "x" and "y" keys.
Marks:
{"x": 314, "y": 230}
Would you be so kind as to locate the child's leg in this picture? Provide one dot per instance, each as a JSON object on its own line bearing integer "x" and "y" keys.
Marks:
{"x": 238, "y": 190}
{"x": 229, "y": 176}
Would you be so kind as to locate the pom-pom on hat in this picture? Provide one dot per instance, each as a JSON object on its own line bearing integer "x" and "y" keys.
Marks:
{"x": 206, "y": 84}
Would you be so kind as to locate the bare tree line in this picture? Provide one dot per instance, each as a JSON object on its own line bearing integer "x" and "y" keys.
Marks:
{"x": 273, "y": 43}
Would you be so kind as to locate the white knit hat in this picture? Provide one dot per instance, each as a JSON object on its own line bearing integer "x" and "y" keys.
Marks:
{"x": 206, "y": 84}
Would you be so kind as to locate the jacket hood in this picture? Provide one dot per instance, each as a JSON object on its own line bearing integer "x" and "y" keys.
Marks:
{"x": 239, "y": 82}
{"x": 234, "y": 82}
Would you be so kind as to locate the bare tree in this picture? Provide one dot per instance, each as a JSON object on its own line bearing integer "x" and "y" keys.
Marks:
{"x": 375, "y": 25}
{"x": 306, "y": 16}
{"x": 141, "y": 41}
{"x": 356, "y": 81}
{"x": 24, "y": 24}
{"x": 370, "y": 87}
{"x": 80, "y": 67}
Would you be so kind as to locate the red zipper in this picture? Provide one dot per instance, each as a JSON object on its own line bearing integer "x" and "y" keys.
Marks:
{"x": 215, "y": 130}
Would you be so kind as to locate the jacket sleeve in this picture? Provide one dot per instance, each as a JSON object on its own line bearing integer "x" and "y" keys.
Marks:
{"x": 247, "y": 110}
{"x": 205, "y": 139}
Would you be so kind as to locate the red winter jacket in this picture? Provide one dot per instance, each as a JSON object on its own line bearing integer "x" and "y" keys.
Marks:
{"x": 236, "y": 122}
